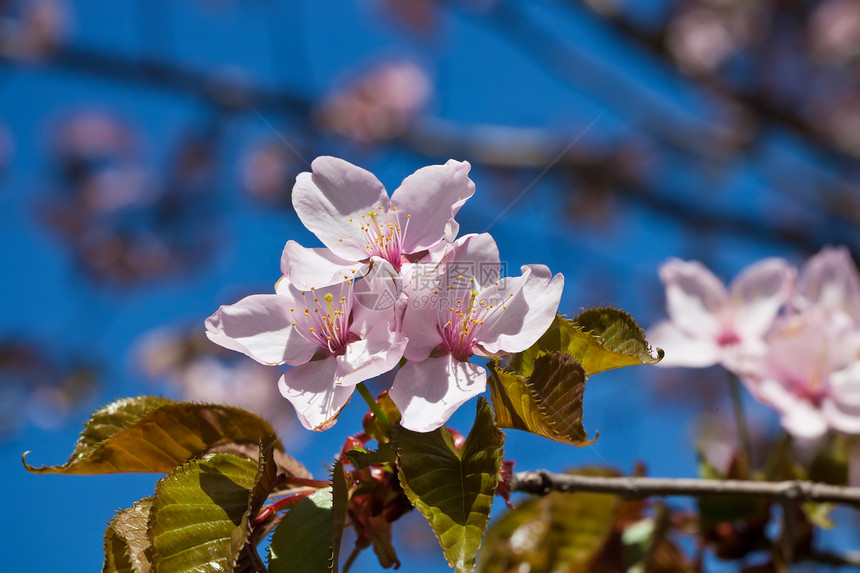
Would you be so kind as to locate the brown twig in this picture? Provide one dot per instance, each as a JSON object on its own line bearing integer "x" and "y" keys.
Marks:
{"x": 541, "y": 482}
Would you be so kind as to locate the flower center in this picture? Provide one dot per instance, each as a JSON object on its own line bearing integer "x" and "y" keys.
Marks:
{"x": 383, "y": 234}
{"x": 467, "y": 318}
{"x": 325, "y": 322}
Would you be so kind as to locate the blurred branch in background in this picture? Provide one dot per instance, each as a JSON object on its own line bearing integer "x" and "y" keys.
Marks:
{"x": 628, "y": 169}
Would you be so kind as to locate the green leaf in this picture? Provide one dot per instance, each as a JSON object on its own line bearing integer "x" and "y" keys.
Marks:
{"x": 126, "y": 542}
{"x": 548, "y": 403}
{"x": 831, "y": 463}
{"x": 557, "y": 532}
{"x": 303, "y": 541}
{"x": 339, "y": 507}
{"x": 600, "y": 339}
{"x": 361, "y": 459}
{"x": 196, "y": 521}
{"x": 150, "y": 434}
{"x": 453, "y": 489}
{"x": 265, "y": 482}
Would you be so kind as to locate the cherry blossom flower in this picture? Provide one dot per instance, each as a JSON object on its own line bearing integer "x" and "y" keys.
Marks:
{"x": 811, "y": 374}
{"x": 469, "y": 310}
{"x": 349, "y": 210}
{"x": 331, "y": 343}
{"x": 710, "y": 324}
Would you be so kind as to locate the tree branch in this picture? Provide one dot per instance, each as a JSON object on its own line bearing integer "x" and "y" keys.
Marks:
{"x": 541, "y": 482}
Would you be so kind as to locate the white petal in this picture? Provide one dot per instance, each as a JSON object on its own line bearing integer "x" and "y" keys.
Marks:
{"x": 683, "y": 349}
{"x": 334, "y": 193}
{"x": 420, "y": 326}
{"x": 261, "y": 327}
{"x": 798, "y": 416}
{"x": 318, "y": 267}
{"x": 521, "y": 319}
{"x": 428, "y": 392}
{"x": 376, "y": 296}
{"x": 758, "y": 293}
{"x": 830, "y": 279}
{"x": 432, "y": 195}
{"x": 471, "y": 262}
{"x": 311, "y": 390}
{"x": 377, "y": 353}
{"x": 842, "y": 407}
{"x": 695, "y": 297}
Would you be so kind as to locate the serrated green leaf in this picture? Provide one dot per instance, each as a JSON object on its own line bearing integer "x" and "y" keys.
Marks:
{"x": 150, "y": 434}
{"x": 557, "y": 532}
{"x": 600, "y": 339}
{"x": 196, "y": 520}
{"x": 453, "y": 489}
{"x": 339, "y": 507}
{"x": 547, "y": 403}
{"x": 361, "y": 459}
{"x": 246, "y": 537}
{"x": 126, "y": 542}
{"x": 303, "y": 541}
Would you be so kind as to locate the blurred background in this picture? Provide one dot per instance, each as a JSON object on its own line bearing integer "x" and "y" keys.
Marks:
{"x": 148, "y": 149}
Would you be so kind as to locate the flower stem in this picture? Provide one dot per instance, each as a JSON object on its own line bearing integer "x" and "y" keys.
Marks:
{"x": 740, "y": 418}
{"x": 374, "y": 407}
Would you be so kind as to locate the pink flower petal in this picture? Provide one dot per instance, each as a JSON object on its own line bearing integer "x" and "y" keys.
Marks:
{"x": 842, "y": 407}
{"x": 830, "y": 279}
{"x": 523, "y": 317}
{"x": 261, "y": 327}
{"x": 428, "y": 392}
{"x": 799, "y": 417}
{"x": 328, "y": 198}
{"x": 695, "y": 297}
{"x": 758, "y": 293}
{"x": 377, "y": 295}
{"x": 471, "y": 257}
{"x": 420, "y": 327}
{"x": 681, "y": 348}
{"x": 311, "y": 390}
{"x": 432, "y": 195}
{"x": 377, "y": 353}
{"x": 317, "y": 267}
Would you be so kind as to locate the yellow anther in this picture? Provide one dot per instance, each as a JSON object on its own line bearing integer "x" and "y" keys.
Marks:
{"x": 394, "y": 208}
{"x": 312, "y": 329}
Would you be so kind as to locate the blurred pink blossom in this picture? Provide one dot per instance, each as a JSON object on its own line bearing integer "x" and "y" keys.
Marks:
{"x": 378, "y": 105}
{"x": 834, "y": 30}
{"x": 267, "y": 172}
{"x": 35, "y": 31}
{"x": 811, "y": 374}
{"x": 711, "y": 324}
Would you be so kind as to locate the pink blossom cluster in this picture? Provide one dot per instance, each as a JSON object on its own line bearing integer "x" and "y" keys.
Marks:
{"x": 392, "y": 282}
{"x": 792, "y": 337}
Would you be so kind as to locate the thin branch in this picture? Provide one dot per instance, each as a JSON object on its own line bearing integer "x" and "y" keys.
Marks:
{"x": 542, "y": 482}
{"x": 491, "y": 146}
